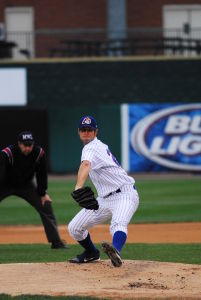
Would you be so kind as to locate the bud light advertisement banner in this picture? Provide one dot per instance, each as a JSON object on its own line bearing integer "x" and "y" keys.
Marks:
{"x": 161, "y": 137}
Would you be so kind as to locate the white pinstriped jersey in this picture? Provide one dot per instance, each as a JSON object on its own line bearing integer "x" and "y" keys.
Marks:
{"x": 106, "y": 173}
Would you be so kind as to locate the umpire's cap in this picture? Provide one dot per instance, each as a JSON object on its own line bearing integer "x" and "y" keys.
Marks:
{"x": 88, "y": 121}
{"x": 26, "y": 137}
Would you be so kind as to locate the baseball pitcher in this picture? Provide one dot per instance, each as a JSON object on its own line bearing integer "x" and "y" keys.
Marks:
{"x": 117, "y": 197}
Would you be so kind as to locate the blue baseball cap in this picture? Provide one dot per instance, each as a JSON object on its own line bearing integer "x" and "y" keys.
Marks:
{"x": 88, "y": 121}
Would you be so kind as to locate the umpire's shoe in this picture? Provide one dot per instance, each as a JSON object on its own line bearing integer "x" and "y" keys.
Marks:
{"x": 59, "y": 245}
{"x": 112, "y": 253}
{"x": 85, "y": 257}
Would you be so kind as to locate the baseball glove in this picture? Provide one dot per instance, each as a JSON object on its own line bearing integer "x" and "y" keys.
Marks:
{"x": 85, "y": 198}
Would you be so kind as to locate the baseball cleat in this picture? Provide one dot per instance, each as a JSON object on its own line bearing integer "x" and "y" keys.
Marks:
{"x": 85, "y": 257}
{"x": 59, "y": 245}
{"x": 112, "y": 253}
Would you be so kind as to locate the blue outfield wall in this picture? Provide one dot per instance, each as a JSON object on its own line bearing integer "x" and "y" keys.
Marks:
{"x": 161, "y": 137}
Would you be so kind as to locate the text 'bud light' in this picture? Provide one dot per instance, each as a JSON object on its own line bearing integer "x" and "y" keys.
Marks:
{"x": 170, "y": 137}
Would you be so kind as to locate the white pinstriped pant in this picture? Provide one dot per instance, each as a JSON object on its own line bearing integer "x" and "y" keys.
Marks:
{"x": 119, "y": 207}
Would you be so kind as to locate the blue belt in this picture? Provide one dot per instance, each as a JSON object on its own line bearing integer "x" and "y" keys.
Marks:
{"x": 116, "y": 192}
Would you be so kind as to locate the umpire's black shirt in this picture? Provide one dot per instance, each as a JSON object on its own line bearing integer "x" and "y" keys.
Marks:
{"x": 18, "y": 170}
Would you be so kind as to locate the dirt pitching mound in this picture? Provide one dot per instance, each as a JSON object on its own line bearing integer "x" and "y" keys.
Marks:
{"x": 134, "y": 280}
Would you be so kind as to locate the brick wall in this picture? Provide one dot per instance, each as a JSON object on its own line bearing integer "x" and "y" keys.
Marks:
{"x": 68, "y": 14}
{"x": 63, "y": 13}
{"x": 80, "y": 14}
{"x": 148, "y": 13}
{"x": 91, "y": 14}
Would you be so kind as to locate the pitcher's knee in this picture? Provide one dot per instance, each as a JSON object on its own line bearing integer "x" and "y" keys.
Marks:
{"x": 75, "y": 232}
{"x": 118, "y": 227}
{"x": 72, "y": 229}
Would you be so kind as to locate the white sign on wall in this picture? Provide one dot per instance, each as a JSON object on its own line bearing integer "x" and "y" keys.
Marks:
{"x": 13, "y": 87}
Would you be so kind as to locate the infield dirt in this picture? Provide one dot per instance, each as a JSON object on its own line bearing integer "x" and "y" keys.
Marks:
{"x": 137, "y": 233}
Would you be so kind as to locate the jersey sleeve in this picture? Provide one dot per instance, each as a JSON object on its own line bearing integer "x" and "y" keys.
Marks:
{"x": 93, "y": 155}
{"x": 87, "y": 154}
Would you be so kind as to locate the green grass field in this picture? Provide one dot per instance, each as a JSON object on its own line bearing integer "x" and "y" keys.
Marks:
{"x": 161, "y": 201}
{"x": 155, "y": 252}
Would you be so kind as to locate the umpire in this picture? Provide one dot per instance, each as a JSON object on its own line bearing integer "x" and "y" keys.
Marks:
{"x": 19, "y": 163}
